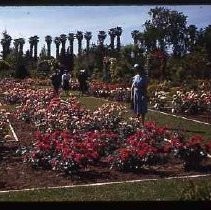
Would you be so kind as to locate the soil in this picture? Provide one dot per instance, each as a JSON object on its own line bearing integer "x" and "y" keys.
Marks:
{"x": 15, "y": 174}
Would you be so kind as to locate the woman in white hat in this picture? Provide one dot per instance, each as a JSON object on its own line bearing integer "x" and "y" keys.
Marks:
{"x": 139, "y": 92}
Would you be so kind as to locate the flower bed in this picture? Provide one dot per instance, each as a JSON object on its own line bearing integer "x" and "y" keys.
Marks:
{"x": 4, "y": 128}
{"x": 72, "y": 140}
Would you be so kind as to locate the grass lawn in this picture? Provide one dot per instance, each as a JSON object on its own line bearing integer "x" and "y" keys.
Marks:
{"x": 161, "y": 190}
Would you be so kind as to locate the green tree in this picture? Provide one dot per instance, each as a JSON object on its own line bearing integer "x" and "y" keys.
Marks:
{"x": 207, "y": 40}
{"x": 63, "y": 39}
{"x": 191, "y": 37}
{"x": 88, "y": 36}
{"x": 43, "y": 53}
{"x": 118, "y": 34}
{"x": 79, "y": 37}
{"x": 165, "y": 28}
{"x": 57, "y": 42}
{"x": 31, "y": 43}
{"x": 48, "y": 40}
{"x": 36, "y": 40}
{"x": 21, "y": 42}
{"x": 5, "y": 42}
{"x": 112, "y": 34}
{"x": 71, "y": 40}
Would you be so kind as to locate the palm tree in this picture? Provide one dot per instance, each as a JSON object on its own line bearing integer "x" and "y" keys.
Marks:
{"x": 135, "y": 35}
{"x": 21, "y": 42}
{"x": 71, "y": 40}
{"x": 36, "y": 40}
{"x": 31, "y": 43}
{"x": 63, "y": 39}
{"x": 16, "y": 44}
{"x": 101, "y": 37}
{"x": 101, "y": 50}
{"x": 88, "y": 36}
{"x": 79, "y": 37}
{"x": 48, "y": 40}
{"x": 5, "y": 42}
{"x": 57, "y": 41}
{"x": 112, "y": 34}
{"x": 118, "y": 34}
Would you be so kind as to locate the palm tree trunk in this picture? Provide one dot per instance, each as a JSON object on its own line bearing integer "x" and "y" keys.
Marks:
{"x": 112, "y": 42}
{"x": 49, "y": 49}
{"x": 87, "y": 46}
{"x": 71, "y": 47}
{"x": 3, "y": 52}
{"x": 57, "y": 51}
{"x": 79, "y": 46}
{"x": 21, "y": 49}
{"x": 31, "y": 50}
{"x": 118, "y": 43}
{"x": 35, "y": 51}
{"x": 63, "y": 49}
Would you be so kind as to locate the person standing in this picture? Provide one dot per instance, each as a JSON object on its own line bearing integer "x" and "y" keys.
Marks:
{"x": 82, "y": 79}
{"x": 139, "y": 93}
{"x": 56, "y": 81}
{"x": 66, "y": 81}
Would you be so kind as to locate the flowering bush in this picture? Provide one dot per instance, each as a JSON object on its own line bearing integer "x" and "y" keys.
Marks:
{"x": 116, "y": 92}
{"x": 143, "y": 148}
{"x": 160, "y": 100}
{"x": 4, "y": 128}
{"x": 68, "y": 152}
{"x": 192, "y": 102}
{"x": 193, "y": 152}
{"x": 71, "y": 138}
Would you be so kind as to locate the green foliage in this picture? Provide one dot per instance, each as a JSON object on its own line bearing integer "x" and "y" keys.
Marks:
{"x": 12, "y": 58}
{"x": 164, "y": 28}
{"x": 207, "y": 40}
{"x": 43, "y": 53}
{"x": 180, "y": 74}
{"x": 4, "y": 65}
{"x": 21, "y": 71}
{"x": 44, "y": 67}
{"x": 97, "y": 74}
{"x": 189, "y": 67}
{"x": 5, "y": 69}
{"x": 196, "y": 63}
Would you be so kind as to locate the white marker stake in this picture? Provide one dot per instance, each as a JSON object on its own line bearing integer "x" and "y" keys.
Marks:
{"x": 12, "y": 129}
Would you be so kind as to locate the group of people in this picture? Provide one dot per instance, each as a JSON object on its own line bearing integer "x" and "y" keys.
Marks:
{"x": 139, "y": 85}
{"x": 62, "y": 79}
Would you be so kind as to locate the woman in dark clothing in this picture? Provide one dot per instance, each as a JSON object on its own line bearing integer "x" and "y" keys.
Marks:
{"x": 82, "y": 79}
{"x": 56, "y": 81}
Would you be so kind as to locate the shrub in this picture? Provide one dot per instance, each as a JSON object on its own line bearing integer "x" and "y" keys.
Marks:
{"x": 21, "y": 72}
{"x": 4, "y": 65}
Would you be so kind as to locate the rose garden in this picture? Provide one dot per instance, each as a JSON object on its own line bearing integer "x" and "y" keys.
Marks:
{"x": 48, "y": 141}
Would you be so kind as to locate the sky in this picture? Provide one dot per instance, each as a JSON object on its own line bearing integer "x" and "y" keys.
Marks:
{"x": 26, "y": 21}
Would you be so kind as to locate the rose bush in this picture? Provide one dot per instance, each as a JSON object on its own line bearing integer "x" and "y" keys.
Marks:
{"x": 70, "y": 137}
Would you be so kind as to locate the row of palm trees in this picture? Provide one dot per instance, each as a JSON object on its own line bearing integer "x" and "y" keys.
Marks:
{"x": 61, "y": 41}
